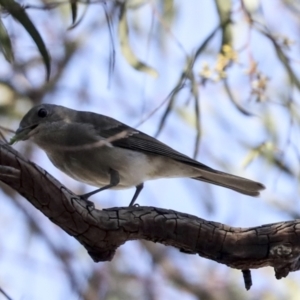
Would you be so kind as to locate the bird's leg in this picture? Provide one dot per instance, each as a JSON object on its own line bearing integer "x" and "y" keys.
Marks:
{"x": 136, "y": 194}
{"x": 114, "y": 180}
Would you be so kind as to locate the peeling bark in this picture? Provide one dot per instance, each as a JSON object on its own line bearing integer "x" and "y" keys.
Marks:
{"x": 101, "y": 232}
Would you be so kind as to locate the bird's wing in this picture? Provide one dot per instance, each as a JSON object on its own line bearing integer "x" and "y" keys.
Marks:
{"x": 123, "y": 136}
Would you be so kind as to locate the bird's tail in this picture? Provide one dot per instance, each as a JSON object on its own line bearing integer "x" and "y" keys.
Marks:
{"x": 236, "y": 183}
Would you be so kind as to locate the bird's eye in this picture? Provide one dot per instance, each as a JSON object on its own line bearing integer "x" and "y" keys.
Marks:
{"x": 42, "y": 113}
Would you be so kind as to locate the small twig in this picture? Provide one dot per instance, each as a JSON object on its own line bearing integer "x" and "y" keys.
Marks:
{"x": 7, "y": 129}
{"x": 5, "y": 295}
{"x": 247, "y": 279}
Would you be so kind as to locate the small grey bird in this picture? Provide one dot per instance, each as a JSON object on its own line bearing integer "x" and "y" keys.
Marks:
{"x": 106, "y": 153}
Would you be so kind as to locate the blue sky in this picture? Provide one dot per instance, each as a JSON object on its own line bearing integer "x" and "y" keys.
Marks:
{"x": 28, "y": 268}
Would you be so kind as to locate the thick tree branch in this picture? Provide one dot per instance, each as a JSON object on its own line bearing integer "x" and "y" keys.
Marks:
{"x": 101, "y": 232}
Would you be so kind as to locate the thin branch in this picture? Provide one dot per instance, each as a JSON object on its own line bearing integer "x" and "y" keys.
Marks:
{"x": 5, "y": 295}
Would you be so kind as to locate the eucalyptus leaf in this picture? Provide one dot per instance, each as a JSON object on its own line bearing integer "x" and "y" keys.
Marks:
{"x": 224, "y": 8}
{"x": 5, "y": 44}
{"x": 18, "y": 12}
{"x": 126, "y": 49}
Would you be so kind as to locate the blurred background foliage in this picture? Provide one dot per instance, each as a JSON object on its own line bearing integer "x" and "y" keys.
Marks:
{"x": 215, "y": 79}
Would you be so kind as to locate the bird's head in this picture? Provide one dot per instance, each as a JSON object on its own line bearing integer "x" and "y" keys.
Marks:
{"x": 36, "y": 118}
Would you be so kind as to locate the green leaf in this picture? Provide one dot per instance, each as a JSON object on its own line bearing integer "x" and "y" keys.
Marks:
{"x": 74, "y": 8}
{"x": 18, "y": 12}
{"x": 5, "y": 44}
{"x": 126, "y": 49}
{"x": 13, "y": 140}
{"x": 224, "y": 8}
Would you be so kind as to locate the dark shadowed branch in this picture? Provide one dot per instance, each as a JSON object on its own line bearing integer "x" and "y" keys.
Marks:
{"x": 101, "y": 232}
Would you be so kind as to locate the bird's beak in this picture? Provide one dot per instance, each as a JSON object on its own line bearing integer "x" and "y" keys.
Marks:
{"x": 22, "y": 134}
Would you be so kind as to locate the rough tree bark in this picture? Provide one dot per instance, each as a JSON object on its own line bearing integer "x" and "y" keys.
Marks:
{"x": 101, "y": 232}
